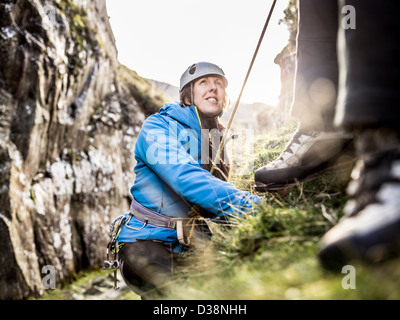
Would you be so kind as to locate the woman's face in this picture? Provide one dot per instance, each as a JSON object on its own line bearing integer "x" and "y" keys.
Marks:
{"x": 209, "y": 95}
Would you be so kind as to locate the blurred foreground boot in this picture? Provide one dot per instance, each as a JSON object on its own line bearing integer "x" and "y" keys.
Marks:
{"x": 370, "y": 229}
{"x": 308, "y": 153}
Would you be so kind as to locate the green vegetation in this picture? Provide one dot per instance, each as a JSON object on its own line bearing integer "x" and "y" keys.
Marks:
{"x": 273, "y": 254}
{"x": 78, "y": 26}
{"x": 149, "y": 98}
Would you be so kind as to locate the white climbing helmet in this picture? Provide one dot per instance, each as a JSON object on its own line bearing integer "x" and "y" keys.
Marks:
{"x": 199, "y": 70}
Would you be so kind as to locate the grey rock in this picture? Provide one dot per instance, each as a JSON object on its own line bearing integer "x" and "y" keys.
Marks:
{"x": 68, "y": 126}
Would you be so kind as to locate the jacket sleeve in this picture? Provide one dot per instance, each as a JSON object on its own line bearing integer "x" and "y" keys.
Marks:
{"x": 158, "y": 146}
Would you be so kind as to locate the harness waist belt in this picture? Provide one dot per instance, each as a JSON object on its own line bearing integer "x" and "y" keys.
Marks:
{"x": 151, "y": 217}
{"x": 155, "y": 219}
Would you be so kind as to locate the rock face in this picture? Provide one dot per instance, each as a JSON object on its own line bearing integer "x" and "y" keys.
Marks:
{"x": 68, "y": 125}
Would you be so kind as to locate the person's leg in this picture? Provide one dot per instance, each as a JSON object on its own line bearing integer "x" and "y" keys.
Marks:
{"x": 316, "y": 77}
{"x": 369, "y": 67}
{"x": 316, "y": 145}
{"x": 368, "y": 105}
{"x": 146, "y": 267}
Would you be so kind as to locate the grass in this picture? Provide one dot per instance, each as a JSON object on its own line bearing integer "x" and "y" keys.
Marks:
{"x": 273, "y": 254}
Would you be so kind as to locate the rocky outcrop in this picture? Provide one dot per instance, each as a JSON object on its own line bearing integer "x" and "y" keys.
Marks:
{"x": 68, "y": 125}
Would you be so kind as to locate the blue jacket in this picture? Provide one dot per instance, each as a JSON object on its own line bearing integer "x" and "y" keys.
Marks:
{"x": 170, "y": 178}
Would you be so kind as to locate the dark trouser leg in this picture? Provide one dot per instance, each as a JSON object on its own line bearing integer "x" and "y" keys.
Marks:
{"x": 316, "y": 64}
{"x": 146, "y": 267}
{"x": 370, "y": 67}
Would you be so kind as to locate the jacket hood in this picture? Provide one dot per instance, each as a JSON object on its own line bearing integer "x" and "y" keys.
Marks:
{"x": 187, "y": 116}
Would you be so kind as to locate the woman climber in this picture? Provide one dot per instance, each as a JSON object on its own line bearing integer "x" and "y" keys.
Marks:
{"x": 176, "y": 183}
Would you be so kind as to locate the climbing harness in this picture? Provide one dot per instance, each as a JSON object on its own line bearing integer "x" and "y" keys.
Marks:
{"x": 150, "y": 217}
{"x": 113, "y": 248}
{"x": 147, "y": 217}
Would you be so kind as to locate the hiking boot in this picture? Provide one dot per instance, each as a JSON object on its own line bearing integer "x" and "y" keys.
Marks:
{"x": 308, "y": 153}
{"x": 370, "y": 229}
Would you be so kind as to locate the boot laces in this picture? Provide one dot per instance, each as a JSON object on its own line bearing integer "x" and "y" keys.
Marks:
{"x": 298, "y": 138}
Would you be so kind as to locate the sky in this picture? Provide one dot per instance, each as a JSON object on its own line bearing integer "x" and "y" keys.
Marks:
{"x": 160, "y": 39}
